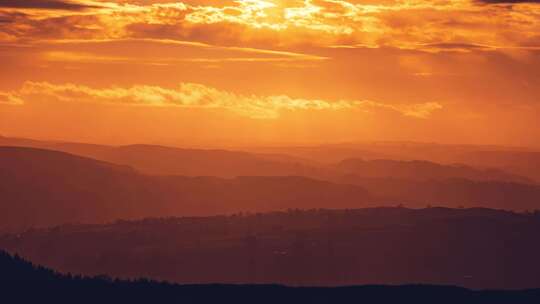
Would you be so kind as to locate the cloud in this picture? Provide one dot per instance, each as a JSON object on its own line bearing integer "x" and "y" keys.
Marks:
{"x": 10, "y": 98}
{"x": 423, "y": 110}
{"x": 46, "y": 4}
{"x": 508, "y": 1}
{"x": 282, "y": 24}
{"x": 454, "y": 47}
{"x": 165, "y": 52}
{"x": 191, "y": 95}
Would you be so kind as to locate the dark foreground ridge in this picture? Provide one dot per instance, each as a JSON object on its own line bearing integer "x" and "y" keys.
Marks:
{"x": 473, "y": 248}
{"x": 27, "y": 283}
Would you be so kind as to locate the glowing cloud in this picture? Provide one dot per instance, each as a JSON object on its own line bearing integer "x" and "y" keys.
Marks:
{"x": 10, "y": 98}
{"x": 190, "y": 95}
{"x": 403, "y": 24}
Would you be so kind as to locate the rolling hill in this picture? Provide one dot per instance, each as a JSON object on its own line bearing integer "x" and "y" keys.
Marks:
{"x": 475, "y": 248}
{"x": 422, "y": 170}
{"x": 525, "y": 163}
{"x": 313, "y": 162}
{"x": 24, "y": 282}
{"x": 514, "y": 160}
{"x": 453, "y": 192}
{"x": 42, "y": 187}
{"x": 160, "y": 160}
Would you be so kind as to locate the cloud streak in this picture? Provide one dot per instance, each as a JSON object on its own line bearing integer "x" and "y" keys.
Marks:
{"x": 270, "y": 24}
{"x": 10, "y": 98}
{"x": 46, "y": 4}
{"x": 198, "y": 96}
{"x": 185, "y": 51}
{"x": 508, "y": 1}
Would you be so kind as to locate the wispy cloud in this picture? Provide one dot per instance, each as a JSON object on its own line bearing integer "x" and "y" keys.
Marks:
{"x": 403, "y": 24}
{"x": 508, "y": 1}
{"x": 47, "y": 4}
{"x": 10, "y": 98}
{"x": 187, "y": 51}
{"x": 190, "y": 95}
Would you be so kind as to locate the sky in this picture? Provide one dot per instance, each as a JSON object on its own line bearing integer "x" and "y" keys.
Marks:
{"x": 254, "y": 72}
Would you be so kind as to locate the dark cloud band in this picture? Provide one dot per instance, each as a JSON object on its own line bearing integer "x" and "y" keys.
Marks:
{"x": 508, "y": 1}
{"x": 44, "y": 4}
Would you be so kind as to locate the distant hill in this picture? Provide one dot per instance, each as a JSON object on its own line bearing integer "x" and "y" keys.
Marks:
{"x": 328, "y": 154}
{"x": 25, "y": 283}
{"x": 452, "y": 192}
{"x": 525, "y": 163}
{"x": 515, "y": 160}
{"x": 221, "y": 163}
{"x": 42, "y": 187}
{"x": 475, "y": 248}
{"x": 422, "y": 170}
{"x": 397, "y": 150}
{"x": 160, "y": 160}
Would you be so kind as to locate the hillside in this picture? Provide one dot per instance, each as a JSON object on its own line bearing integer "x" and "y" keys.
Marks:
{"x": 422, "y": 170}
{"x": 514, "y": 160}
{"x": 42, "y": 188}
{"x": 452, "y": 192}
{"x": 397, "y": 150}
{"x": 525, "y": 163}
{"x": 160, "y": 160}
{"x": 475, "y": 248}
{"x": 407, "y": 161}
{"x": 26, "y": 283}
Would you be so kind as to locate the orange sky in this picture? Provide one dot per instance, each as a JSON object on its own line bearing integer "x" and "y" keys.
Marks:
{"x": 209, "y": 72}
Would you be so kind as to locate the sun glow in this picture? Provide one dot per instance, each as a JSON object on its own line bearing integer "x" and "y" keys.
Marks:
{"x": 402, "y": 66}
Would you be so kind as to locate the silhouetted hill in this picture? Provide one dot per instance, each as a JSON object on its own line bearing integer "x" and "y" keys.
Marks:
{"x": 329, "y": 154}
{"x": 333, "y": 153}
{"x": 476, "y": 248}
{"x": 160, "y": 160}
{"x": 515, "y": 160}
{"x": 23, "y": 282}
{"x": 453, "y": 192}
{"x": 220, "y": 163}
{"x": 41, "y": 188}
{"x": 525, "y": 163}
{"x": 396, "y": 160}
{"x": 16, "y": 269}
{"x": 422, "y": 170}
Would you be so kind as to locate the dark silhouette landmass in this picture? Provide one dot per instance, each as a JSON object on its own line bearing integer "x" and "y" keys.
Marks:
{"x": 515, "y": 160}
{"x": 224, "y": 228}
{"x": 474, "y": 248}
{"x": 525, "y": 163}
{"x": 397, "y": 150}
{"x": 418, "y": 170}
{"x": 160, "y": 160}
{"x": 400, "y": 161}
{"x": 452, "y": 192}
{"x": 26, "y": 283}
{"x": 43, "y": 188}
